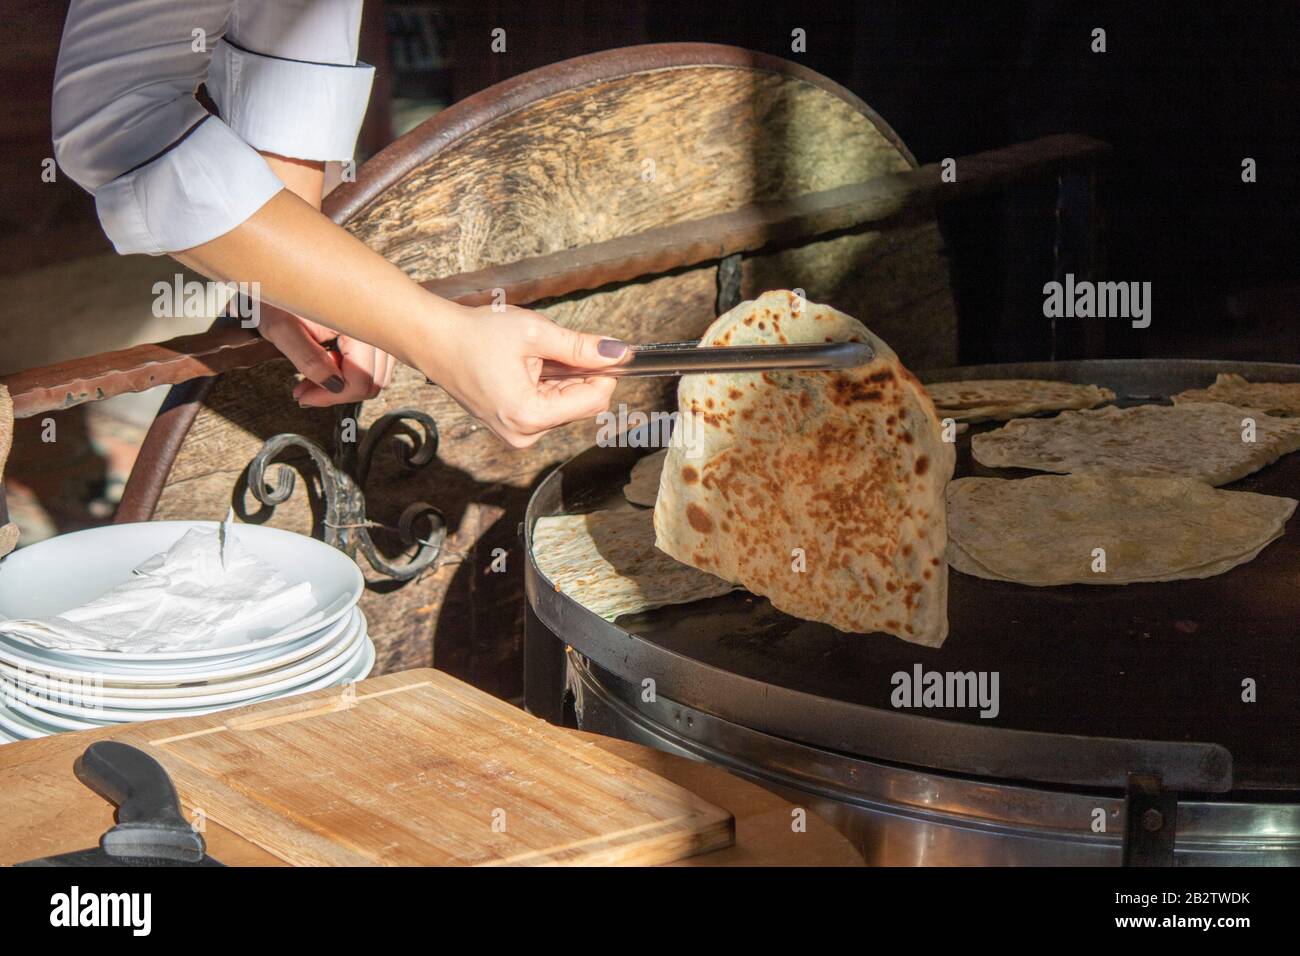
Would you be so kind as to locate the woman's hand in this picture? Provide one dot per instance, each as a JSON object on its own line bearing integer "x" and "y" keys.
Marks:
{"x": 490, "y": 362}
{"x": 354, "y": 373}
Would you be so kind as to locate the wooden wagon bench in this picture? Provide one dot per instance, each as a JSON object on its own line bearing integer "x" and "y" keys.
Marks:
{"x": 636, "y": 193}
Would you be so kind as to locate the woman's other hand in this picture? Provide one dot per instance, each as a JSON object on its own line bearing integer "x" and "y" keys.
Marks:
{"x": 353, "y": 372}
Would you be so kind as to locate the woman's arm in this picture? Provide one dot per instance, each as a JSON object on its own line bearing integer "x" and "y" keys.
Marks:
{"x": 488, "y": 360}
{"x": 362, "y": 369}
{"x": 167, "y": 176}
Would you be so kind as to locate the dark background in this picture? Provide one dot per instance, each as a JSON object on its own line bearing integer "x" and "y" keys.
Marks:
{"x": 1184, "y": 92}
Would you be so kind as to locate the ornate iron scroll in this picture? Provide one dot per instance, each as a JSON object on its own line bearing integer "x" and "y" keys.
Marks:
{"x": 342, "y": 477}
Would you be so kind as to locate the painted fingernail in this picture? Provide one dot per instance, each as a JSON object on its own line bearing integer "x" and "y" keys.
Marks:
{"x": 611, "y": 348}
{"x": 334, "y": 384}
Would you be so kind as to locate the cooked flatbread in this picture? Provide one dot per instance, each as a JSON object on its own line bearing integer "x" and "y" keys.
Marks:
{"x": 984, "y": 400}
{"x": 1272, "y": 398}
{"x": 822, "y": 491}
{"x": 8, "y": 532}
{"x": 607, "y": 562}
{"x": 1043, "y": 530}
{"x": 1202, "y": 440}
{"x": 642, "y": 487}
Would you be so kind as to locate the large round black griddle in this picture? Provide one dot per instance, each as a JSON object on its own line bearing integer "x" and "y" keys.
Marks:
{"x": 1095, "y": 682}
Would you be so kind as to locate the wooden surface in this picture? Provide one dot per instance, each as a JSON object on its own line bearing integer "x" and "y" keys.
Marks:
{"x": 547, "y": 167}
{"x": 44, "y": 810}
{"x": 419, "y": 769}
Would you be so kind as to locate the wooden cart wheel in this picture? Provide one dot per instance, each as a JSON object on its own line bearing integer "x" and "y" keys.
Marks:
{"x": 586, "y": 150}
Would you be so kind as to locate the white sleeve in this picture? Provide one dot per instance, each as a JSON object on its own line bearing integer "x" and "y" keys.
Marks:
{"x": 287, "y": 80}
{"x": 167, "y": 176}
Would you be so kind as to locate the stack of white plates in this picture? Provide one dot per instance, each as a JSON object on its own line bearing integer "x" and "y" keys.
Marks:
{"x": 45, "y": 691}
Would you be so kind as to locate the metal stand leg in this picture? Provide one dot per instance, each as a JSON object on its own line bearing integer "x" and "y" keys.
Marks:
{"x": 544, "y": 671}
{"x": 1150, "y": 822}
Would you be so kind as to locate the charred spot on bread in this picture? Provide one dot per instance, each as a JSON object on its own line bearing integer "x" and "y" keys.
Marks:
{"x": 699, "y": 518}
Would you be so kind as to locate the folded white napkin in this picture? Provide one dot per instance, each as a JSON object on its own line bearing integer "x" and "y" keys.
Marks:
{"x": 207, "y": 590}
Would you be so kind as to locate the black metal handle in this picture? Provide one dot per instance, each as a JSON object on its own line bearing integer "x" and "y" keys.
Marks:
{"x": 149, "y": 818}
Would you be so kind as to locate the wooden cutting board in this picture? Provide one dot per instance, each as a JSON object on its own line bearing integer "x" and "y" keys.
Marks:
{"x": 418, "y": 768}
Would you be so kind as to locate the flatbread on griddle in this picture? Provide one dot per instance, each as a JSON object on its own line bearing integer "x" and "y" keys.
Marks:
{"x": 983, "y": 400}
{"x": 607, "y": 562}
{"x": 1273, "y": 398}
{"x": 642, "y": 487}
{"x": 1202, "y": 440}
{"x": 1043, "y": 530}
{"x": 822, "y": 491}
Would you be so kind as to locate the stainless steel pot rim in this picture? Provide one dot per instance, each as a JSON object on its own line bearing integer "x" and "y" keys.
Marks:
{"x": 1003, "y": 808}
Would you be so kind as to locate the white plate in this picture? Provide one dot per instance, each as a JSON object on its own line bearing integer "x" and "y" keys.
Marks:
{"x": 17, "y": 711}
{"x": 24, "y": 727}
{"x": 64, "y": 716}
{"x": 26, "y": 663}
{"x": 97, "y": 696}
{"x": 70, "y": 570}
{"x": 18, "y": 726}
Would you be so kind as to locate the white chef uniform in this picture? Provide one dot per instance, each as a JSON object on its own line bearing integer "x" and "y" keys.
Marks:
{"x": 165, "y": 174}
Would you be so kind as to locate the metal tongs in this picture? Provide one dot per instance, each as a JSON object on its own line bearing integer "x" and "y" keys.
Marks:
{"x": 687, "y": 358}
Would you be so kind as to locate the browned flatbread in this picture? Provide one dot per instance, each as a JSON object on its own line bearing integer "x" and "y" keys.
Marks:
{"x": 1272, "y": 398}
{"x": 607, "y": 562}
{"x": 1000, "y": 399}
{"x": 822, "y": 491}
{"x": 1047, "y": 530}
{"x": 642, "y": 487}
{"x": 8, "y": 532}
{"x": 1201, "y": 440}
